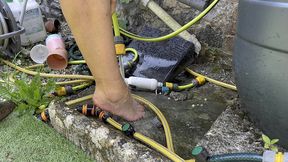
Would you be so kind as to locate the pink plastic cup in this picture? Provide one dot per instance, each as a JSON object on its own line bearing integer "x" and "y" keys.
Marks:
{"x": 58, "y": 57}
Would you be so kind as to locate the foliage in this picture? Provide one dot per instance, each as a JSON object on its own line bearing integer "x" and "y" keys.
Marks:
{"x": 28, "y": 96}
{"x": 270, "y": 144}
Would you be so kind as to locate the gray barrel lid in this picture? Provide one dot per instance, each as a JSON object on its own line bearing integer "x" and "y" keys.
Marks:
{"x": 254, "y": 26}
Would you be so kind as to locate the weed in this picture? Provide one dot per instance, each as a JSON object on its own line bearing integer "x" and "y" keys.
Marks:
{"x": 29, "y": 96}
{"x": 270, "y": 143}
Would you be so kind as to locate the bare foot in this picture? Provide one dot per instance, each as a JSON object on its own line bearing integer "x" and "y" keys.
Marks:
{"x": 122, "y": 105}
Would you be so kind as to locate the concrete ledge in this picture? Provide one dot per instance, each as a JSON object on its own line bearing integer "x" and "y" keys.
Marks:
{"x": 100, "y": 141}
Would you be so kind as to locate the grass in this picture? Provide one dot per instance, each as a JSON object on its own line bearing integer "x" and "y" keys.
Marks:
{"x": 27, "y": 139}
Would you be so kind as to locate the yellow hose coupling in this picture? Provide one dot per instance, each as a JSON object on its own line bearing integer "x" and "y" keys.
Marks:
{"x": 119, "y": 45}
{"x": 120, "y": 49}
{"x": 61, "y": 91}
{"x": 169, "y": 85}
{"x": 201, "y": 80}
{"x": 279, "y": 157}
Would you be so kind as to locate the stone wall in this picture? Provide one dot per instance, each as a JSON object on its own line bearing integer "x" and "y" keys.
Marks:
{"x": 216, "y": 30}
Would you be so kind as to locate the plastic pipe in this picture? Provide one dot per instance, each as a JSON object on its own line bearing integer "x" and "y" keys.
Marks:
{"x": 58, "y": 56}
{"x": 173, "y": 24}
{"x": 143, "y": 83}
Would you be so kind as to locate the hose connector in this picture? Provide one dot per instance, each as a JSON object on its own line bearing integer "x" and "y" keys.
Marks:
{"x": 165, "y": 90}
{"x": 63, "y": 91}
{"x": 200, "y": 154}
{"x": 128, "y": 129}
{"x": 269, "y": 156}
{"x": 201, "y": 80}
{"x": 171, "y": 86}
{"x": 119, "y": 45}
{"x": 88, "y": 110}
{"x": 104, "y": 116}
{"x": 44, "y": 116}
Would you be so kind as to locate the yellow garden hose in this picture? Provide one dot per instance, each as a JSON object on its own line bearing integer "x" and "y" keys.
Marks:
{"x": 82, "y": 86}
{"x": 188, "y": 86}
{"x": 150, "y": 106}
{"x": 135, "y": 53}
{"x": 168, "y": 152}
{"x": 222, "y": 84}
{"x": 161, "y": 118}
{"x": 85, "y": 77}
{"x": 71, "y": 82}
{"x": 79, "y": 100}
{"x": 115, "y": 24}
{"x": 173, "y": 34}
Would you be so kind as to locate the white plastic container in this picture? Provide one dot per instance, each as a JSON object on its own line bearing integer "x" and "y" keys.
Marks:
{"x": 39, "y": 53}
{"x": 33, "y": 22}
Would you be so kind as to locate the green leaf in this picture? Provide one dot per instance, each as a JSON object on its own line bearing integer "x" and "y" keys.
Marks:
{"x": 266, "y": 139}
{"x": 266, "y": 146}
{"x": 49, "y": 87}
{"x": 21, "y": 108}
{"x": 274, "y": 148}
{"x": 274, "y": 141}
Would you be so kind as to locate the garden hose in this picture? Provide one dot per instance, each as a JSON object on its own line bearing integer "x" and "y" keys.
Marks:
{"x": 69, "y": 90}
{"x": 119, "y": 44}
{"x": 222, "y": 84}
{"x": 150, "y": 106}
{"x": 85, "y": 77}
{"x": 11, "y": 77}
{"x": 173, "y": 34}
{"x": 236, "y": 157}
{"x": 168, "y": 152}
{"x": 161, "y": 118}
{"x": 198, "y": 81}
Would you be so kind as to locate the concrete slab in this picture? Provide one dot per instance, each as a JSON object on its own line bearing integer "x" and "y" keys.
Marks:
{"x": 189, "y": 121}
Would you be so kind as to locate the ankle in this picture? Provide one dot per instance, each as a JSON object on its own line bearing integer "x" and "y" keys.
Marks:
{"x": 113, "y": 91}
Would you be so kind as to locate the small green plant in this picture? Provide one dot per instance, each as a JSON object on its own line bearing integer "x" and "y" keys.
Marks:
{"x": 29, "y": 96}
{"x": 270, "y": 143}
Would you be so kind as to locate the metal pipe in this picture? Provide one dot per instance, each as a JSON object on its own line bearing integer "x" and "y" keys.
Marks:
{"x": 197, "y": 4}
{"x": 12, "y": 34}
{"x": 23, "y": 12}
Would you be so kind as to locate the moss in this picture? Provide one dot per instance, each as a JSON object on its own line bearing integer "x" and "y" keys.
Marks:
{"x": 27, "y": 139}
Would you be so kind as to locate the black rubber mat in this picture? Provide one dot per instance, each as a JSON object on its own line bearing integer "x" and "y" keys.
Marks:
{"x": 162, "y": 60}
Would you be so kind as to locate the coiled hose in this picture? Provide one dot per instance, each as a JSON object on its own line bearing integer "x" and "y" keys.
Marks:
{"x": 236, "y": 157}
